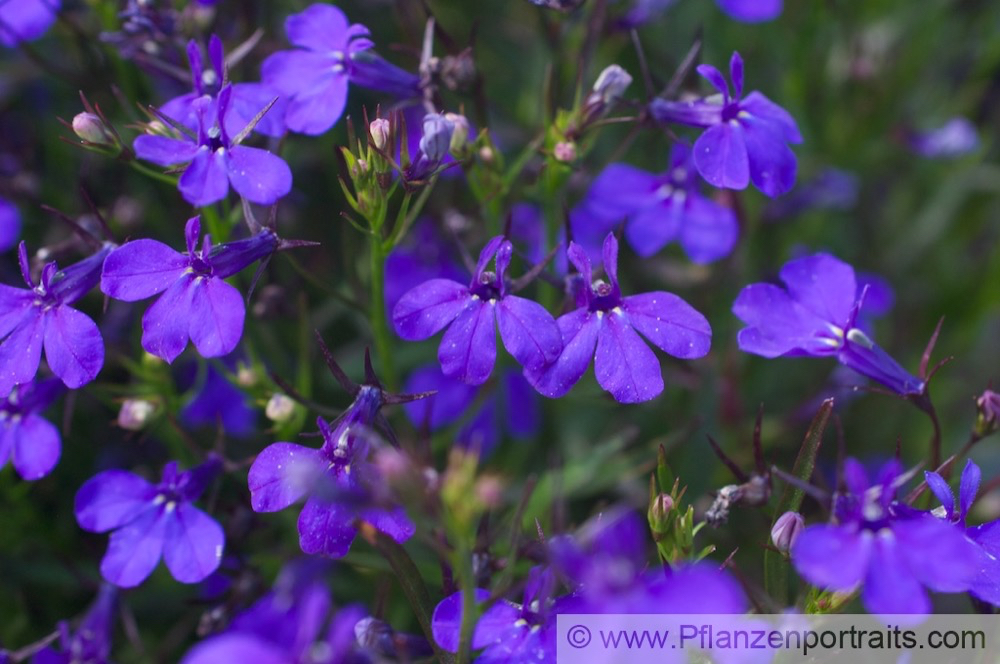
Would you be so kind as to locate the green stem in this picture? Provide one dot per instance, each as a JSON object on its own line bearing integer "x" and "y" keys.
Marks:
{"x": 775, "y": 562}
{"x": 156, "y": 175}
{"x": 462, "y": 564}
{"x": 380, "y": 327}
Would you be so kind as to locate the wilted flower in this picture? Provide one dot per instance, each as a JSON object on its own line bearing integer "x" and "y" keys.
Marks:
{"x": 746, "y": 139}
{"x": 816, "y": 315}
{"x": 152, "y": 520}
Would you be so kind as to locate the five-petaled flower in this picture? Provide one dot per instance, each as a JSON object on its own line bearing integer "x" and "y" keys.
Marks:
{"x": 338, "y": 482}
{"x": 893, "y": 550}
{"x": 468, "y": 349}
{"x": 660, "y": 209}
{"x": 30, "y": 441}
{"x": 746, "y": 139}
{"x": 816, "y": 314}
{"x": 41, "y": 315}
{"x": 624, "y": 364}
{"x": 196, "y": 303}
{"x": 330, "y": 54}
{"x": 150, "y": 521}
{"x": 214, "y": 159}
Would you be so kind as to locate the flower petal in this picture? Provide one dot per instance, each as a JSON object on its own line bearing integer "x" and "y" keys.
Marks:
{"x": 751, "y": 11}
{"x": 140, "y": 269}
{"x": 528, "y": 331}
{"x": 936, "y": 552}
{"x": 709, "y": 230}
{"x": 21, "y": 351}
{"x": 217, "y": 313}
{"x": 939, "y": 487}
{"x": 650, "y": 229}
{"x": 319, "y": 27}
{"x": 74, "y": 348}
{"x": 720, "y": 155}
{"x": 446, "y": 621}
{"x": 165, "y": 324}
{"x": 777, "y": 325}
{"x": 760, "y": 106}
{"x": 832, "y": 557}
{"x": 314, "y": 111}
{"x": 165, "y": 151}
{"x": 296, "y": 72}
{"x": 772, "y": 163}
{"x": 282, "y": 474}
{"x": 890, "y": 586}
{"x": 624, "y": 364}
{"x": 204, "y": 181}
{"x": 257, "y": 175}
{"x": 426, "y": 310}
{"x": 14, "y": 305}
{"x": 326, "y": 528}
{"x": 450, "y": 400}
{"x": 393, "y": 523}
{"x": 36, "y": 447}
{"x": 135, "y": 548}
{"x": 111, "y": 499}
{"x": 233, "y": 647}
{"x": 968, "y": 488}
{"x": 579, "y": 330}
{"x": 468, "y": 349}
{"x": 670, "y": 323}
{"x": 193, "y": 544}
{"x": 621, "y": 190}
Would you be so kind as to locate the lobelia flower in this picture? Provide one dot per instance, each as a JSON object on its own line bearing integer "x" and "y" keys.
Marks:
{"x": 986, "y": 537}
{"x": 432, "y": 149}
{"x": 219, "y": 402}
{"x": 817, "y": 314}
{"x": 41, "y": 315}
{"x": 150, "y": 521}
{"x": 660, "y": 209}
{"x": 606, "y": 564}
{"x": 91, "y": 642}
{"x": 10, "y": 224}
{"x": 468, "y": 349}
{"x": 330, "y": 55}
{"x": 511, "y": 407}
{"x": 215, "y": 160}
{"x": 624, "y": 364}
{"x": 955, "y": 138}
{"x": 507, "y": 632}
{"x": 746, "y": 138}
{"x": 248, "y": 99}
{"x": 340, "y": 486}
{"x": 832, "y": 189}
{"x": 286, "y": 626}
{"x": 890, "y": 549}
{"x": 31, "y": 442}
{"x": 26, "y": 20}
{"x": 196, "y": 303}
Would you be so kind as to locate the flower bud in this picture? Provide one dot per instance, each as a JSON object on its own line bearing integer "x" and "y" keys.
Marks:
{"x": 92, "y": 129}
{"x": 460, "y": 134}
{"x": 380, "y": 131}
{"x": 660, "y": 508}
{"x": 135, "y": 414}
{"x": 280, "y": 408}
{"x": 565, "y": 151}
{"x": 786, "y": 530}
{"x": 436, "y": 139}
{"x": 246, "y": 376}
{"x": 988, "y": 417}
{"x": 611, "y": 84}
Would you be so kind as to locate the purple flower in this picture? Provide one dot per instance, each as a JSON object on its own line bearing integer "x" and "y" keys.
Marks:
{"x": 816, "y": 314}
{"x": 955, "y": 138}
{"x": 292, "y": 624}
{"x": 423, "y": 256}
{"x": 41, "y": 315}
{"x": 507, "y": 632}
{"x": 152, "y": 520}
{"x": 10, "y": 224}
{"x": 752, "y": 11}
{"x": 30, "y": 441}
{"x": 892, "y": 550}
{"x": 196, "y": 303}
{"x": 832, "y": 189}
{"x": 215, "y": 159}
{"x": 91, "y": 642}
{"x": 248, "y": 99}
{"x": 746, "y": 139}
{"x": 512, "y": 407}
{"x": 660, "y": 209}
{"x": 218, "y": 401}
{"x": 624, "y": 364}
{"x": 330, "y": 54}
{"x": 25, "y": 20}
{"x": 986, "y": 537}
{"x": 337, "y": 480}
{"x": 607, "y": 566}
{"x": 468, "y": 349}
{"x": 432, "y": 148}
